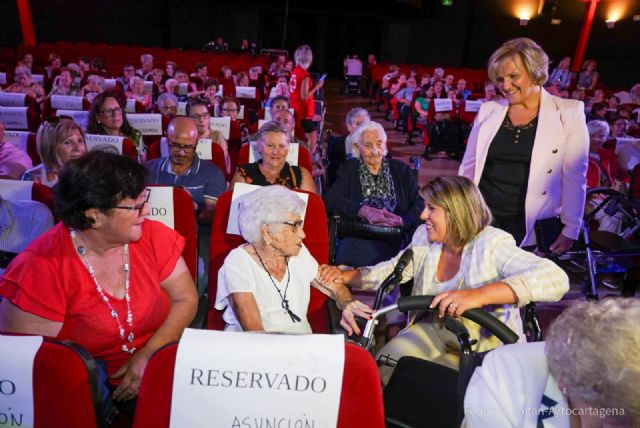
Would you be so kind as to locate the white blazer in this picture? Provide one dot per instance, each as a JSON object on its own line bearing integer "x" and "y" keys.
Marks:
{"x": 558, "y": 174}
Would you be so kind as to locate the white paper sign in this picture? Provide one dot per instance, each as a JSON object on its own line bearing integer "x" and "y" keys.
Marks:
{"x": 161, "y": 204}
{"x": 107, "y": 143}
{"x": 472, "y": 106}
{"x": 130, "y": 106}
{"x": 253, "y": 380}
{"x": 147, "y": 124}
{"x": 19, "y": 139}
{"x": 203, "y": 149}
{"x": 16, "y": 190}
{"x": 621, "y": 142}
{"x": 240, "y": 190}
{"x": 3, "y": 78}
{"x": 80, "y": 117}
{"x": 66, "y": 102}
{"x": 183, "y": 88}
{"x": 109, "y": 83}
{"x": 182, "y": 109}
{"x": 38, "y": 78}
{"x": 164, "y": 147}
{"x": 9, "y": 99}
{"x": 443, "y": 104}
{"x": 148, "y": 87}
{"x": 262, "y": 122}
{"x": 14, "y": 117}
{"x": 16, "y": 379}
{"x": 241, "y": 112}
{"x": 245, "y": 92}
{"x": 219, "y": 93}
{"x": 222, "y": 124}
{"x": 292, "y": 155}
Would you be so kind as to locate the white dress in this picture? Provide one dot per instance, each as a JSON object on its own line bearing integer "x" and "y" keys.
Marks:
{"x": 241, "y": 273}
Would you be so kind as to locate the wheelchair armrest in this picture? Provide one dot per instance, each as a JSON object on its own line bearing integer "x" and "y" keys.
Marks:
{"x": 356, "y": 228}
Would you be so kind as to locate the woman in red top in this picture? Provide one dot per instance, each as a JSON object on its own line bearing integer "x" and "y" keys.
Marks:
{"x": 301, "y": 90}
{"x": 104, "y": 277}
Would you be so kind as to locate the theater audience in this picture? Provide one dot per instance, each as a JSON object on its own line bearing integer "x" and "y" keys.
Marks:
{"x": 342, "y": 147}
{"x": 13, "y": 161}
{"x": 107, "y": 117}
{"x": 95, "y": 86}
{"x": 137, "y": 92}
{"x": 170, "y": 69}
{"x": 264, "y": 285}
{"x": 59, "y": 141}
{"x": 561, "y": 75}
{"x": 588, "y": 77}
{"x": 404, "y": 98}
{"x": 26, "y": 61}
{"x": 198, "y": 111}
{"x": 62, "y": 83}
{"x": 211, "y": 93}
{"x": 128, "y": 71}
{"x": 54, "y": 62}
{"x": 544, "y": 174}
{"x": 377, "y": 190}
{"x": 462, "y": 93}
{"x": 465, "y": 263}
{"x": 106, "y": 278}
{"x": 580, "y": 376}
{"x": 272, "y": 144}
{"x": 620, "y": 127}
{"x": 598, "y": 112}
{"x": 146, "y": 65}
{"x": 24, "y": 85}
{"x": 167, "y": 106}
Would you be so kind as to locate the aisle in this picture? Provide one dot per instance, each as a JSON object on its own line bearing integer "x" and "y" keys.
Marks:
{"x": 337, "y": 108}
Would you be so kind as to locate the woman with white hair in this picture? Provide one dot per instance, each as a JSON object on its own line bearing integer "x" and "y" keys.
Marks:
{"x": 24, "y": 85}
{"x": 302, "y": 90}
{"x": 376, "y": 189}
{"x": 137, "y": 93}
{"x": 263, "y": 285}
{"x": 95, "y": 86}
{"x": 586, "y": 373}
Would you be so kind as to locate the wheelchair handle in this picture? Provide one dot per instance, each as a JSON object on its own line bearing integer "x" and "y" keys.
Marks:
{"x": 479, "y": 316}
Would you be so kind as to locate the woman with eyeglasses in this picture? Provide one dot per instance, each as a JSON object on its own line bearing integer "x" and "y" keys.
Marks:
{"x": 107, "y": 117}
{"x": 263, "y": 285}
{"x": 272, "y": 146}
{"x": 198, "y": 110}
{"x": 59, "y": 141}
{"x": 105, "y": 277}
{"x": 238, "y": 132}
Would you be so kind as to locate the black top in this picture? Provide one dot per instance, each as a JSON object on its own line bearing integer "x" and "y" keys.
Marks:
{"x": 290, "y": 176}
{"x": 506, "y": 171}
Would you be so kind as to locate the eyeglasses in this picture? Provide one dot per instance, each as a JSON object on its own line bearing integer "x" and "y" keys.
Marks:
{"x": 177, "y": 147}
{"x": 112, "y": 111}
{"x": 137, "y": 207}
{"x": 199, "y": 116}
{"x": 295, "y": 225}
{"x": 229, "y": 110}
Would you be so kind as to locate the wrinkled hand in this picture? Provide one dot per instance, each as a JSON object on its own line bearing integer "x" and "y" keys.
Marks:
{"x": 372, "y": 215}
{"x": 392, "y": 220}
{"x": 454, "y": 303}
{"x": 131, "y": 373}
{"x": 561, "y": 245}
{"x": 349, "y": 313}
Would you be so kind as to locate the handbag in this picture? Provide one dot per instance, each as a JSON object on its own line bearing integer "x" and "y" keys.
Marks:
{"x": 547, "y": 231}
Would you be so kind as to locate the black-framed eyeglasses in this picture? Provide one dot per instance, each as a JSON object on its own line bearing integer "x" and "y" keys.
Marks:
{"x": 112, "y": 111}
{"x": 186, "y": 148}
{"x": 199, "y": 116}
{"x": 229, "y": 110}
{"x": 137, "y": 207}
{"x": 295, "y": 225}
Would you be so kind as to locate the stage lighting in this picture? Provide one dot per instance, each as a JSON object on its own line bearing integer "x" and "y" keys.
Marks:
{"x": 447, "y": 2}
{"x": 610, "y": 24}
{"x": 556, "y": 21}
{"x": 524, "y": 21}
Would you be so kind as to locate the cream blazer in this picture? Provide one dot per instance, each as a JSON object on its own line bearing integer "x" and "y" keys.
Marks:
{"x": 558, "y": 174}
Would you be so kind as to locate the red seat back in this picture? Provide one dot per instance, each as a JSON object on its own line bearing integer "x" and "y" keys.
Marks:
{"x": 593, "y": 174}
{"x": 360, "y": 400}
{"x": 316, "y": 240}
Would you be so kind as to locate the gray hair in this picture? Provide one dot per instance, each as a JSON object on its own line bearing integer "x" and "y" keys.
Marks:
{"x": 354, "y": 113}
{"x": 98, "y": 80}
{"x": 267, "y": 205}
{"x": 22, "y": 70}
{"x": 303, "y": 56}
{"x": 134, "y": 79}
{"x": 595, "y": 126}
{"x": 146, "y": 57}
{"x": 271, "y": 126}
{"x": 592, "y": 350}
{"x": 358, "y": 135}
{"x": 166, "y": 96}
{"x": 534, "y": 59}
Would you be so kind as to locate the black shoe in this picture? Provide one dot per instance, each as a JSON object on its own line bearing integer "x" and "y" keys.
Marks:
{"x": 426, "y": 155}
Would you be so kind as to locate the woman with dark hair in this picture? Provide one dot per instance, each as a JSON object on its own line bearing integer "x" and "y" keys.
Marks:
{"x": 104, "y": 277}
{"x": 107, "y": 117}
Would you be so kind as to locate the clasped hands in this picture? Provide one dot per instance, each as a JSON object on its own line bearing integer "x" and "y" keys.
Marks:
{"x": 380, "y": 216}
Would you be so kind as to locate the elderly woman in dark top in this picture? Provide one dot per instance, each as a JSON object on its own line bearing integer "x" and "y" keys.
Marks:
{"x": 380, "y": 191}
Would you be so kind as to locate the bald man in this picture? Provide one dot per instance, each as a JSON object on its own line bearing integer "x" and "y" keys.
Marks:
{"x": 202, "y": 179}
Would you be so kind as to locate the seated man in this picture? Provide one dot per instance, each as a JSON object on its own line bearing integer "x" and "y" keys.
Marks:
{"x": 405, "y": 97}
{"x": 167, "y": 105}
{"x": 203, "y": 180}
{"x": 13, "y": 161}
{"x": 461, "y": 89}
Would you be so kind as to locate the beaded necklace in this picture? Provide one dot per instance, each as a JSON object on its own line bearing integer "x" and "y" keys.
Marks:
{"x": 127, "y": 345}
{"x": 285, "y": 302}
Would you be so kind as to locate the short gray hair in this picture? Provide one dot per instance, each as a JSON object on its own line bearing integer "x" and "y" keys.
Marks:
{"x": 166, "y": 96}
{"x": 22, "y": 70}
{"x": 358, "y": 136}
{"x": 303, "y": 56}
{"x": 134, "y": 79}
{"x": 592, "y": 350}
{"x": 267, "y": 205}
{"x": 534, "y": 59}
{"x": 355, "y": 112}
{"x": 98, "y": 80}
{"x": 271, "y": 126}
{"x": 595, "y": 126}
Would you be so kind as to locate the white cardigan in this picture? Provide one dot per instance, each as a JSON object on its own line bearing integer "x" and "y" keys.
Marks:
{"x": 558, "y": 174}
{"x": 490, "y": 257}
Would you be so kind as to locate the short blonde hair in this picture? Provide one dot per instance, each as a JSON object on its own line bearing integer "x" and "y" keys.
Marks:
{"x": 592, "y": 349}
{"x": 535, "y": 60}
{"x": 50, "y": 135}
{"x": 466, "y": 212}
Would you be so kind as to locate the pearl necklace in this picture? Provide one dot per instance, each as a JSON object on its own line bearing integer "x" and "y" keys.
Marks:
{"x": 127, "y": 346}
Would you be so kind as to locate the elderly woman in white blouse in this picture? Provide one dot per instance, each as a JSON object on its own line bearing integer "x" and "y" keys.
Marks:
{"x": 264, "y": 285}
{"x": 465, "y": 263}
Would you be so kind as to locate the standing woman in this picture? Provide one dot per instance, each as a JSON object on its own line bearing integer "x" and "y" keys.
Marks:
{"x": 302, "y": 89}
{"x": 528, "y": 153}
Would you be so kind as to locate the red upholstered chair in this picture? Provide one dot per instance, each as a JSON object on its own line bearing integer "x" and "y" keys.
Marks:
{"x": 467, "y": 116}
{"x": 32, "y": 149}
{"x": 316, "y": 240}
{"x": 65, "y": 387}
{"x": 43, "y": 194}
{"x": 304, "y": 157}
{"x": 129, "y": 149}
{"x": 184, "y": 222}
{"x": 31, "y": 116}
{"x": 360, "y": 401}
{"x": 593, "y": 174}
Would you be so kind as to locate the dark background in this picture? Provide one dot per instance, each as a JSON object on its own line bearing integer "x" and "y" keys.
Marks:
{"x": 409, "y": 31}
